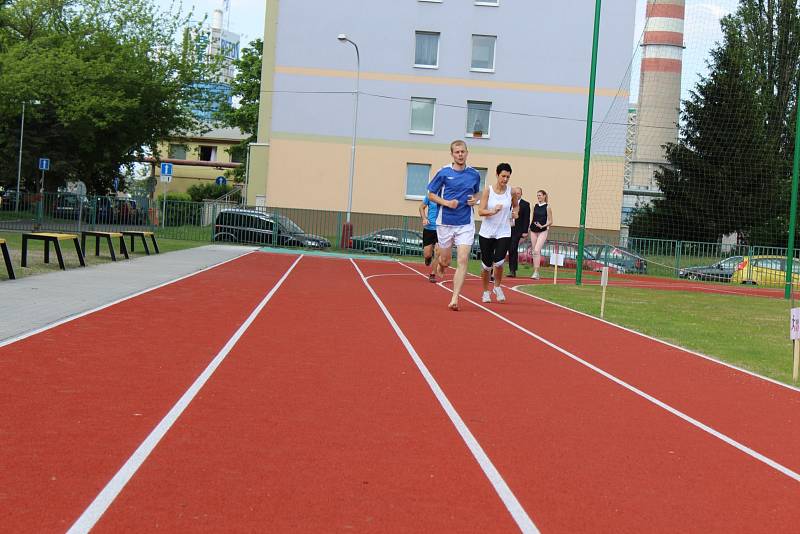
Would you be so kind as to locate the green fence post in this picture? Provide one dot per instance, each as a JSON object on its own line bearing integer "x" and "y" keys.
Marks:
{"x": 587, "y": 151}
{"x": 405, "y": 236}
{"x": 793, "y": 207}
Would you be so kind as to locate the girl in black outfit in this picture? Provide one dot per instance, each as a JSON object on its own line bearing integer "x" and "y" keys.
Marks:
{"x": 542, "y": 220}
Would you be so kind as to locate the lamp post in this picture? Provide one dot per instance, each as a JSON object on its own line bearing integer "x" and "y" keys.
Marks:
{"x": 344, "y": 39}
{"x": 19, "y": 163}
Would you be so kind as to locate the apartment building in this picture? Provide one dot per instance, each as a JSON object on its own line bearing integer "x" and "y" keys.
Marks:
{"x": 510, "y": 77}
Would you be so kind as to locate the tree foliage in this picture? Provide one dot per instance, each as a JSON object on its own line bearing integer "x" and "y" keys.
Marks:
{"x": 731, "y": 168}
{"x": 246, "y": 88}
{"x": 103, "y": 80}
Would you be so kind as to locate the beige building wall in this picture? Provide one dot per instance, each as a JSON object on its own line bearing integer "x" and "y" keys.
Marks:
{"x": 312, "y": 172}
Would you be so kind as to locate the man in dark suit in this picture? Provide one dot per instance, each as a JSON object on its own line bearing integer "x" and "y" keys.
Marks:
{"x": 519, "y": 230}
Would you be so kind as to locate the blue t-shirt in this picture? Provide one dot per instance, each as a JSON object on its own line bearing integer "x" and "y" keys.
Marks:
{"x": 433, "y": 211}
{"x": 452, "y": 184}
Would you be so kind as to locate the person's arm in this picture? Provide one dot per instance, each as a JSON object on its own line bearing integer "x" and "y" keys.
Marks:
{"x": 549, "y": 222}
{"x": 483, "y": 210}
{"x": 436, "y": 185}
{"x": 526, "y": 216}
{"x": 423, "y": 212}
{"x": 514, "y": 207}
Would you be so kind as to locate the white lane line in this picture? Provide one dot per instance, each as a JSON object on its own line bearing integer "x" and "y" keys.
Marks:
{"x": 109, "y": 493}
{"x": 522, "y": 519}
{"x": 387, "y": 274}
{"x": 674, "y": 411}
{"x": 661, "y": 341}
{"x": 30, "y": 333}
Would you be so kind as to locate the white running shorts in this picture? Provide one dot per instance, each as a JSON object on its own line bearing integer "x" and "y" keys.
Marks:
{"x": 460, "y": 235}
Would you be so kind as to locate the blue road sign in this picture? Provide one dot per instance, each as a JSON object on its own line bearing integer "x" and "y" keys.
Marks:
{"x": 166, "y": 169}
{"x": 221, "y": 180}
{"x": 116, "y": 183}
{"x": 44, "y": 164}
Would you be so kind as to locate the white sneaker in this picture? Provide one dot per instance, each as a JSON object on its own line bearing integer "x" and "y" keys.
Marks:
{"x": 535, "y": 276}
{"x": 498, "y": 292}
{"x": 487, "y": 297}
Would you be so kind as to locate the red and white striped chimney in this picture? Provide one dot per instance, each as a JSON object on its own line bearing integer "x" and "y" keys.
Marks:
{"x": 659, "y": 88}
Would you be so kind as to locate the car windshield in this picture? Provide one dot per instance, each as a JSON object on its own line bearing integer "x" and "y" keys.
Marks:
{"x": 289, "y": 225}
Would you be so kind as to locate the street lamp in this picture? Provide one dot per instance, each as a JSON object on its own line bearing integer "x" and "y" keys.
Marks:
{"x": 19, "y": 163}
{"x": 343, "y": 38}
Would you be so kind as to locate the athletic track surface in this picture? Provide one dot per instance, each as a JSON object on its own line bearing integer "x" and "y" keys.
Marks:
{"x": 286, "y": 393}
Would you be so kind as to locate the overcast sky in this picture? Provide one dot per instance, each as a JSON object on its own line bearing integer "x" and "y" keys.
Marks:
{"x": 246, "y": 17}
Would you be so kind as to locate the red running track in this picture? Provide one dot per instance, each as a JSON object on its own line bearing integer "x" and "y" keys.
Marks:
{"x": 318, "y": 419}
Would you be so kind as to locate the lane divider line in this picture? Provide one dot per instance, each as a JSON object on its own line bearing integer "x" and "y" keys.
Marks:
{"x": 518, "y": 513}
{"x": 661, "y": 341}
{"x": 674, "y": 411}
{"x": 89, "y": 518}
{"x": 19, "y": 337}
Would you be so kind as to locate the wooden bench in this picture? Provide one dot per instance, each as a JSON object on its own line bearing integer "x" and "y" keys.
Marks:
{"x": 108, "y": 236}
{"x": 143, "y": 235}
{"x": 7, "y": 259}
{"x": 56, "y": 240}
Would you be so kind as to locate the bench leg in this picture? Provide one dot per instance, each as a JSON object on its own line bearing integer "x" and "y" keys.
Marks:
{"x": 47, "y": 250}
{"x": 111, "y": 248}
{"x": 7, "y": 259}
{"x": 83, "y": 243}
{"x": 24, "y": 251}
{"x": 132, "y": 247}
{"x": 155, "y": 243}
{"x": 96, "y": 245}
{"x": 80, "y": 254}
{"x": 123, "y": 248}
{"x": 146, "y": 248}
{"x": 60, "y": 257}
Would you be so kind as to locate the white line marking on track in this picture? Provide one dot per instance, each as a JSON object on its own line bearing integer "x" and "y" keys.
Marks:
{"x": 661, "y": 341}
{"x": 521, "y": 517}
{"x": 388, "y": 274}
{"x": 674, "y": 411}
{"x": 30, "y": 333}
{"x": 109, "y": 493}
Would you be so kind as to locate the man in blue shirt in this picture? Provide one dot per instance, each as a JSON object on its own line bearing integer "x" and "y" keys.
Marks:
{"x": 428, "y": 211}
{"x": 454, "y": 188}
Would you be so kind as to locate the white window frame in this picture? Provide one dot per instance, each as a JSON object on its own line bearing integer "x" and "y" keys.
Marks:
{"x": 416, "y": 197}
{"x": 484, "y": 176}
{"x": 432, "y": 1}
{"x": 494, "y": 53}
{"x": 487, "y": 132}
{"x": 432, "y": 101}
{"x": 438, "y": 47}
{"x": 490, "y": 3}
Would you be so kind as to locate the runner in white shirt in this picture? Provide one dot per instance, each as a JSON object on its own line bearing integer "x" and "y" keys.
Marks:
{"x": 498, "y": 207}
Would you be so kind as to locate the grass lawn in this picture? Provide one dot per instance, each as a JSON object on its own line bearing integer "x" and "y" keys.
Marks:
{"x": 749, "y": 332}
{"x": 36, "y": 263}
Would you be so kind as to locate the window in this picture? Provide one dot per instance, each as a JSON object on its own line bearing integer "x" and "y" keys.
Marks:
{"x": 177, "y": 151}
{"x": 487, "y": 2}
{"x": 482, "y": 171}
{"x": 427, "y": 50}
{"x": 208, "y": 153}
{"x": 417, "y": 180}
{"x": 483, "y": 53}
{"x": 422, "y": 111}
{"x": 478, "y": 114}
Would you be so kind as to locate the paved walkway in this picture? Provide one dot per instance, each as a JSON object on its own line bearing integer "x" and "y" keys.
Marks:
{"x": 33, "y": 302}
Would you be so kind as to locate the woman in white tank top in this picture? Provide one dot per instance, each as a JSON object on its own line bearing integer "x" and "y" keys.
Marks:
{"x": 498, "y": 207}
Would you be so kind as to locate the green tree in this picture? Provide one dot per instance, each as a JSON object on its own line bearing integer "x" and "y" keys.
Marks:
{"x": 246, "y": 88}
{"x": 108, "y": 86}
{"x": 730, "y": 170}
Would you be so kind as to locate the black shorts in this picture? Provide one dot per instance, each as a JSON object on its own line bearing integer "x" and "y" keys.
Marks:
{"x": 429, "y": 237}
{"x": 493, "y": 250}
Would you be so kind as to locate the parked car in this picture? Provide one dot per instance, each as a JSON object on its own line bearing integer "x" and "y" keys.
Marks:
{"x": 623, "y": 259}
{"x": 105, "y": 210}
{"x": 717, "y": 272}
{"x": 8, "y": 201}
{"x": 253, "y": 226}
{"x": 570, "y": 252}
{"x": 72, "y": 206}
{"x": 128, "y": 212}
{"x": 396, "y": 241}
{"x": 764, "y": 271}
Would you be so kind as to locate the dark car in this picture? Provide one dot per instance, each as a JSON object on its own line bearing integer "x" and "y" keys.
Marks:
{"x": 72, "y": 206}
{"x": 623, "y": 259}
{"x": 721, "y": 271}
{"x": 253, "y": 226}
{"x": 570, "y": 252}
{"x": 105, "y": 210}
{"x": 128, "y": 212}
{"x": 9, "y": 200}
{"x": 396, "y": 241}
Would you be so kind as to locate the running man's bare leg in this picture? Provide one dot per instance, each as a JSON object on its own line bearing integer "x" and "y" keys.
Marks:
{"x": 461, "y": 272}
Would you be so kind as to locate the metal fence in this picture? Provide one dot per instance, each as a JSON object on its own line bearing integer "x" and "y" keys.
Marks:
{"x": 367, "y": 233}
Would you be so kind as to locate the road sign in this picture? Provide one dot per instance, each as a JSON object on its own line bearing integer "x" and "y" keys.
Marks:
{"x": 557, "y": 259}
{"x": 166, "y": 178}
{"x": 166, "y": 169}
{"x": 44, "y": 164}
{"x": 221, "y": 180}
{"x": 116, "y": 183}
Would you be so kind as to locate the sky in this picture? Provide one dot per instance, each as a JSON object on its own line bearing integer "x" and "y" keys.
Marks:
{"x": 246, "y": 17}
